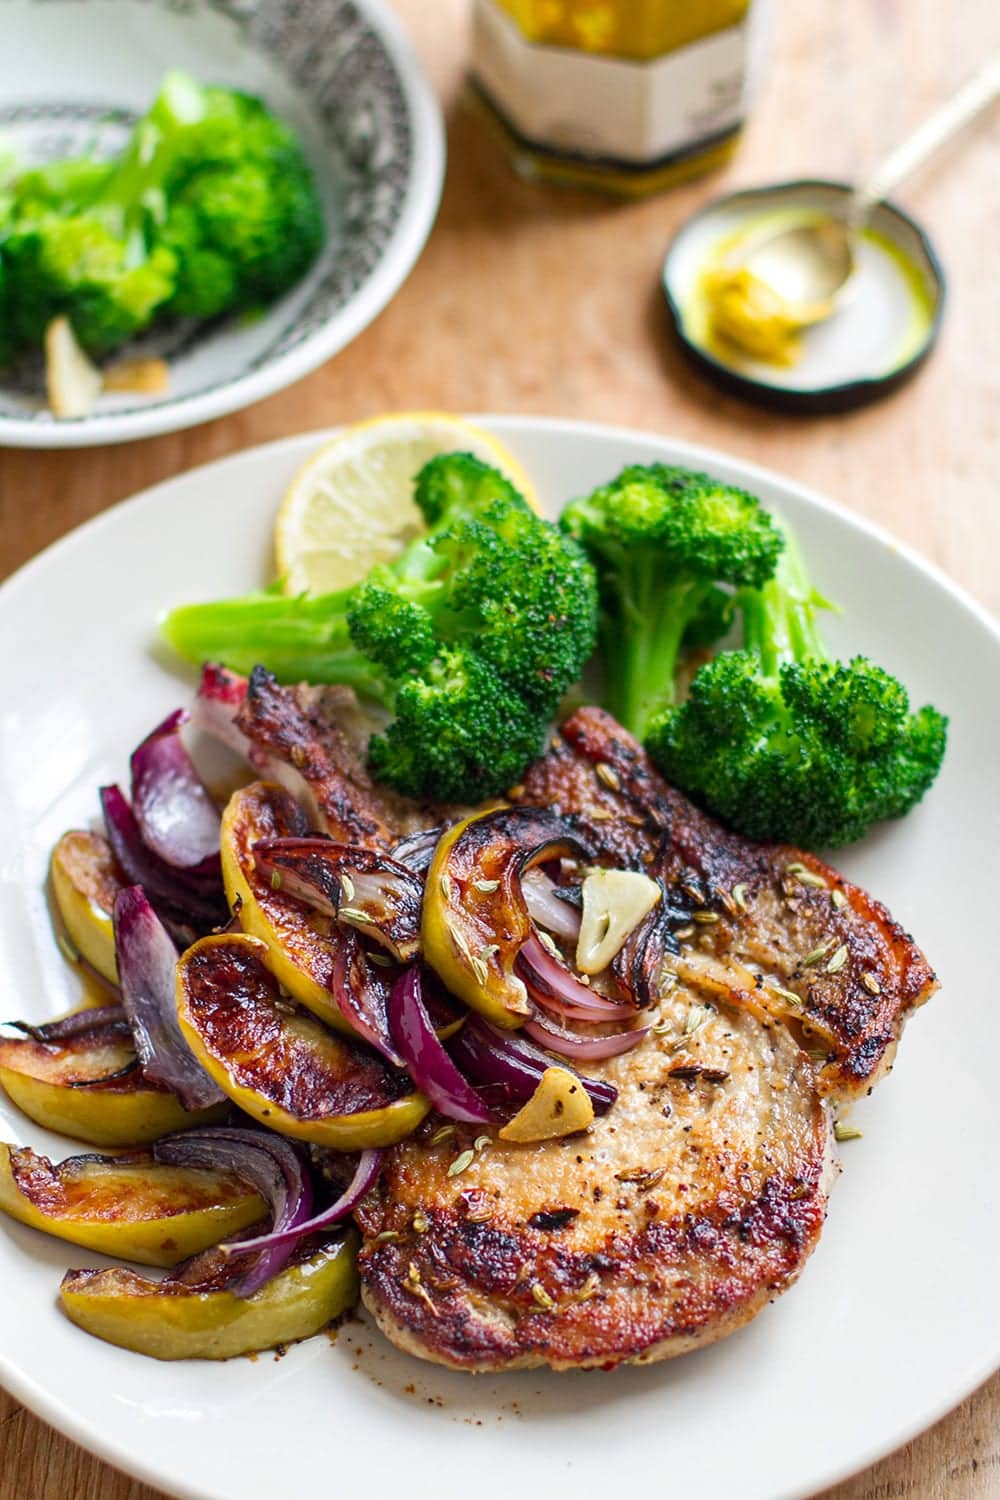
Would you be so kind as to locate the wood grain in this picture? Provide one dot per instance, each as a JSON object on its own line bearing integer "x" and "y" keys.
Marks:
{"x": 534, "y": 300}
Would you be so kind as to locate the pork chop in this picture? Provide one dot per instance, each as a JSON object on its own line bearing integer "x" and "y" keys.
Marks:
{"x": 699, "y": 1196}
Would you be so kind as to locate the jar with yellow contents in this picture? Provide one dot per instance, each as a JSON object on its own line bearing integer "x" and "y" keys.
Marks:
{"x": 626, "y": 95}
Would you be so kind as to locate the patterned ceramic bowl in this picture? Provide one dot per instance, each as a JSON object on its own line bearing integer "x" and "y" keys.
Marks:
{"x": 74, "y": 74}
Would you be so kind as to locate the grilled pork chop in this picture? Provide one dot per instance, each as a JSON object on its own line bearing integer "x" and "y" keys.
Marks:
{"x": 702, "y": 1192}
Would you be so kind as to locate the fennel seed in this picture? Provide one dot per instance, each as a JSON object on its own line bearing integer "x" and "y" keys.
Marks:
{"x": 276, "y": 880}
{"x": 486, "y": 887}
{"x": 705, "y": 918}
{"x": 353, "y": 914}
{"x": 387, "y": 1237}
{"x": 740, "y": 897}
{"x": 838, "y": 959}
{"x": 818, "y": 952}
{"x": 347, "y": 887}
{"x": 547, "y": 943}
{"x": 443, "y": 1133}
{"x": 541, "y": 1296}
{"x": 789, "y": 995}
{"x": 870, "y": 983}
{"x": 608, "y": 775}
{"x": 681, "y": 933}
{"x": 845, "y": 1132}
{"x": 461, "y": 1162}
{"x": 445, "y": 883}
{"x": 481, "y": 1142}
{"x": 421, "y": 1223}
{"x": 839, "y": 899}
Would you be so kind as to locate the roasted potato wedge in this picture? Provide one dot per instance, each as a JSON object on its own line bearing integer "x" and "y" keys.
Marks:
{"x": 299, "y": 938}
{"x": 131, "y": 1207}
{"x": 277, "y": 1062}
{"x": 181, "y": 1320}
{"x": 89, "y": 1087}
{"x": 475, "y": 919}
{"x": 85, "y": 882}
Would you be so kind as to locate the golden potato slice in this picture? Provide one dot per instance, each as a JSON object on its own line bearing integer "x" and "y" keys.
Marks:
{"x": 132, "y": 1207}
{"x": 177, "y": 1320}
{"x": 70, "y": 1087}
{"x": 85, "y": 882}
{"x": 277, "y": 1062}
{"x": 302, "y": 952}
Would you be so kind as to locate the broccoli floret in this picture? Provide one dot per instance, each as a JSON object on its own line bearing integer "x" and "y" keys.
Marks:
{"x": 785, "y": 743}
{"x": 469, "y": 639}
{"x": 243, "y": 217}
{"x": 662, "y": 539}
{"x": 210, "y": 208}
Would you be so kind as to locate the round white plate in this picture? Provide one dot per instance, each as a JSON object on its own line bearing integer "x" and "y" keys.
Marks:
{"x": 896, "y": 1316}
{"x": 341, "y": 72}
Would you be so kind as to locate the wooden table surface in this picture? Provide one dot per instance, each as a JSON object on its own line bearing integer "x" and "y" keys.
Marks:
{"x": 535, "y": 300}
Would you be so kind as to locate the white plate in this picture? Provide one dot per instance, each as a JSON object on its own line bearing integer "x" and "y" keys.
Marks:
{"x": 340, "y": 71}
{"x": 896, "y": 1317}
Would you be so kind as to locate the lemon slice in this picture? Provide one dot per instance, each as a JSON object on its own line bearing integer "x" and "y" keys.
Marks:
{"x": 351, "y": 504}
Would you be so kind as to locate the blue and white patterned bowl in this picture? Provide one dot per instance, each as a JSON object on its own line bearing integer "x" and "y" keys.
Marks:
{"x": 74, "y": 74}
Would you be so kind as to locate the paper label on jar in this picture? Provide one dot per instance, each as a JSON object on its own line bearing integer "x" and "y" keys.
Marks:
{"x": 612, "y": 107}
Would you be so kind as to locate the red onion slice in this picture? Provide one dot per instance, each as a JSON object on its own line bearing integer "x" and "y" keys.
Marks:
{"x": 514, "y": 1064}
{"x": 177, "y": 818}
{"x": 553, "y": 986}
{"x": 365, "y": 1176}
{"x": 547, "y": 908}
{"x": 110, "y": 1018}
{"x": 430, "y": 1067}
{"x": 178, "y": 899}
{"x": 417, "y": 850}
{"x": 588, "y": 1048}
{"x": 221, "y": 695}
{"x": 147, "y": 966}
{"x": 360, "y": 888}
{"x": 361, "y": 993}
{"x": 270, "y": 1164}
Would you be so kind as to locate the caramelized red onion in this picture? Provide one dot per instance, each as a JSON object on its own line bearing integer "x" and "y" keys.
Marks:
{"x": 588, "y": 1048}
{"x": 514, "y": 1065}
{"x": 221, "y": 695}
{"x": 274, "y": 1167}
{"x": 181, "y": 897}
{"x": 553, "y": 986}
{"x": 110, "y": 1018}
{"x": 177, "y": 818}
{"x": 547, "y": 908}
{"x": 147, "y": 965}
{"x": 361, "y": 888}
{"x": 361, "y": 993}
{"x": 417, "y": 850}
{"x": 364, "y": 1179}
{"x": 430, "y": 1066}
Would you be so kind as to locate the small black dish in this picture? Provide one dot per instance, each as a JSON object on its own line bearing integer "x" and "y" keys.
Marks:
{"x": 886, "y": 327}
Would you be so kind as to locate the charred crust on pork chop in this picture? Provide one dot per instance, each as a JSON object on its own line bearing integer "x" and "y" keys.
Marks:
{"x": 316, "y": 731}
{"x": 776, "y": 911}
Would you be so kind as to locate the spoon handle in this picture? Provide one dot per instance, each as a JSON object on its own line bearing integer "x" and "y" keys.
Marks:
{"x": 973, "y": 97}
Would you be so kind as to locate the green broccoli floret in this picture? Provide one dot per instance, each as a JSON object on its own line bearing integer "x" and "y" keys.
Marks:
{"x": 785, "y": 743}
{"x": 243, "y": 214}
{"x": 210, "y": 208}
{"x": 662, "y": 539}
{"x": 469, "y": 639}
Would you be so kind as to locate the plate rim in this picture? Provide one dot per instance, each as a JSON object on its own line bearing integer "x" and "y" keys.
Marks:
{"x": 419, "y": 212}
{"x": 24, "y": 1388}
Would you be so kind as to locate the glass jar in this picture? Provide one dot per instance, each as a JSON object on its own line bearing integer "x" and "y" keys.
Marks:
{"x": 628, "y": 95}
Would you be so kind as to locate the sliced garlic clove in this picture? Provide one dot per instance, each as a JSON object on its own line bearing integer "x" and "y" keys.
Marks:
{"x": 72, "y": 381}
{"x": 614, "y": 903}
{"x": 559, "y": 1106}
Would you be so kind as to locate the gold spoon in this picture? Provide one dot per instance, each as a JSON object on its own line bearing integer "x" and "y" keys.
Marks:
{"x": 810, "y": 267}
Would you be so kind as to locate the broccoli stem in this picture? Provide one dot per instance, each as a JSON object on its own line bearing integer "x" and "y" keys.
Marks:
{"x": 300, "y": 639}
{"x": 134, "y": 189}
{"x": 779, "y": 618}
{"x": 641, "y": 644}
